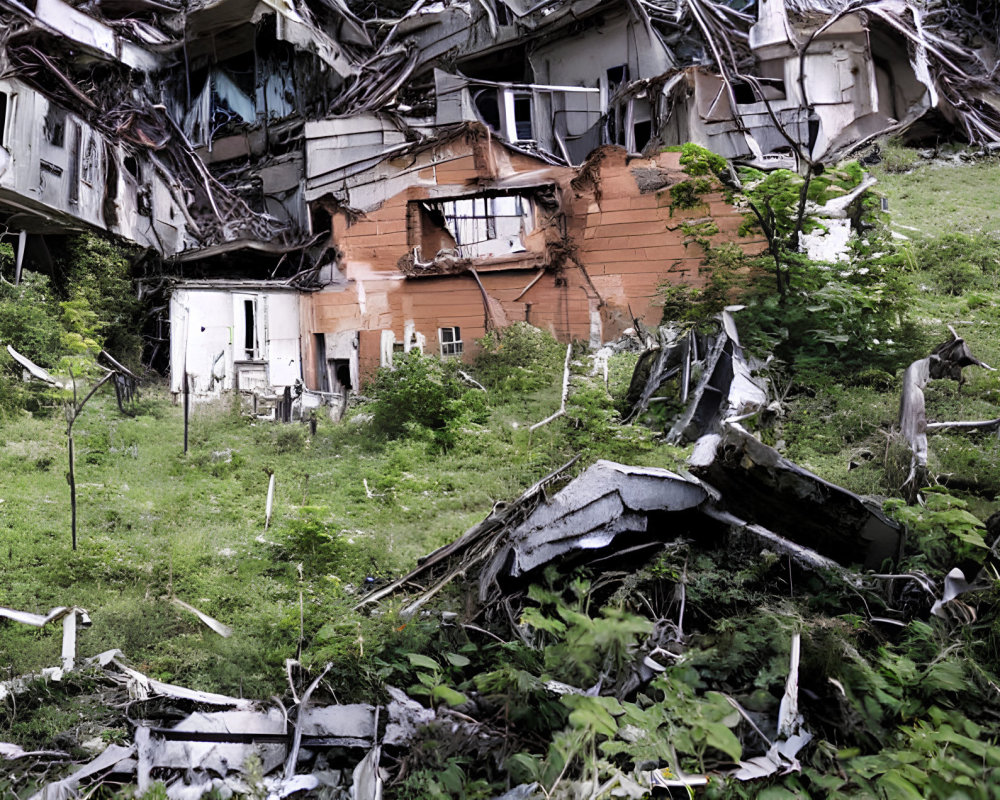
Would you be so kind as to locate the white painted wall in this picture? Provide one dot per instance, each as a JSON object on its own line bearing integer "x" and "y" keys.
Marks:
{"x": 209, "y": 322}
{"x": 579, "y": 60}
{"x": 70, "y": 178}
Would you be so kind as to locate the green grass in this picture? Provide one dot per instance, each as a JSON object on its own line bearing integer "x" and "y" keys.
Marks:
{"x": 943, "y": 197}
{"x": 348, "y": 507}
{"x": 842, "y": 431}
{"x": 153, "y": 520}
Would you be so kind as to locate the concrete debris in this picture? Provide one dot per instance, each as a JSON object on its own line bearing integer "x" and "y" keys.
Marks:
{"x": 406, "y": 717}
{"x": 69, "y": 617}
{"x": 304, "y": 748}
{"x": 114, "y": 759}
{"x": 758, "y": 484}
{"x": 714, "y": 379}
{"x": 606, "y": 501}
{"x": 947, "y": 360}
{"x": 616, "y": 513}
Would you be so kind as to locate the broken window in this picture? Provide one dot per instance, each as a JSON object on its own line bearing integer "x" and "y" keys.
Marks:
{"x": 451, "y": 341}
{"x": 520, "y": 112}
{"x": 54, "y": 126}
{"x": 476, "y": 227}
{"x": 3, "y": 117}
{"x": 90, "y": 162}
{"x": 339, "y": 372}
{"x": 629, "y": 123}
{"x": 770, "y": 89}
{"x": 617, "y": 77}
{"x": 74, "y": 163}
{"x": 250, "y": 351}
{"x": 502, "y": 13}
{"x": 508, "y": 112}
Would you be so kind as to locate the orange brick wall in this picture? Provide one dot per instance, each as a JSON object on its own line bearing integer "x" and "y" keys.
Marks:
{"x": 627, "y": 241}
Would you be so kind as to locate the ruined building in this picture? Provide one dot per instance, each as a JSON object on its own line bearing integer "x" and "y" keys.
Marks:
{"x": 322, "y": 191}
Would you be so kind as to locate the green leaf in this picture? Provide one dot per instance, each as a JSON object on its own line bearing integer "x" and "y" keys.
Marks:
{"x": 536, "y": 619}
{"x": 457, "y": 660}
{"x": 524, "y": 767}
{"x": 418, "y": 660}
{"x": 448, "y": 695}
{"x": 896, "y": 787}
{"x": 593, "y": 713}
{"x": 427, "y": 680}
{"x": 720, "y": 737}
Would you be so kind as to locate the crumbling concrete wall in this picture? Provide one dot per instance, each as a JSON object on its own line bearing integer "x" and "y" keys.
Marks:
{"x": 234, "y": 335}
{"x": 594, "y": 260}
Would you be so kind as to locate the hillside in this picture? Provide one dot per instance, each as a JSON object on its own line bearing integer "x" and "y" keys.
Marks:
{"x": 897, "y": 702}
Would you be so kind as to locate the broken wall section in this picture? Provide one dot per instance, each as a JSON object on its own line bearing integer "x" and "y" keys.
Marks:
{"x": 602, "y": 239}
{"x": 73, "y": 174}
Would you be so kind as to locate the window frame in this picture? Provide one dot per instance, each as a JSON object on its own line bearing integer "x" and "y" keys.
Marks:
{"x": 474, "y": 221}
{"x": 454, "y": 346}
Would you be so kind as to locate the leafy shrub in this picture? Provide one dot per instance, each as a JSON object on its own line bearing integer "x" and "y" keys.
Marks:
{"x": 309, "y": 537}
{"x": 727, "y": 273}
{"x": 839, "y": 317}
{"x": 98, "y": 279}
{"x": 943, "y": 530}
{"x": 30, "y": 319}
{"x": 696, "y": 160}
{"x": 517, "y": 359}
{"x": 423, "y": 392}
{"x": 595, "y": 426}
{"x": 687, "y": 194}
{"x": 289, "y": 438}
{"x": 29, "y": 322}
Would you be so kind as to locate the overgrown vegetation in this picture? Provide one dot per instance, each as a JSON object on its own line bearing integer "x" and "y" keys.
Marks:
{"x": 62, "y": 321}
{"x": 899, "y": 709}
{"x": 812, "y": 316}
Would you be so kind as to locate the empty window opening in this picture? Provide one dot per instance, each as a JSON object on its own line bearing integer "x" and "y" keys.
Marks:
{"x": 744, "y": 93}
{"x": 522, "y": 117}
{"x": 54, "y": 126}
{"x": 488, "y": 107}
{"x": 74, "y": 163}
{"x": 642, "y": 132}
{"x": 508, "y": 112}
{"x": 617, "y": 76}
{"x": 503, "y": 14}
{"x": 451, "y": 341}
{"x": 320, "y": 219}
{"x": 339, "y": 370}
{"x": 3, "y": 117}
{"x": 250, "y": 329}
{"x": 476, "y": 227}
{"x": 322, "y": 375}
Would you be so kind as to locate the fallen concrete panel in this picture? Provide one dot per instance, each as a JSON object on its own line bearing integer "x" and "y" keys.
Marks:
{"x": 604, "y": 501}
{"x": 218, "y": 757}
{"x": 115, "y": 757}
{"x": 758, "y": 484}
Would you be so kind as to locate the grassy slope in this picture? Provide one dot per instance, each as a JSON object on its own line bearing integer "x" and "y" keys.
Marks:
{"x": 841, "y": 433}
{"x": 151, "y": 516}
